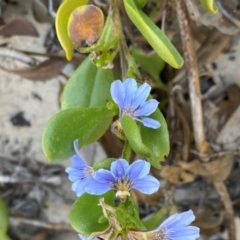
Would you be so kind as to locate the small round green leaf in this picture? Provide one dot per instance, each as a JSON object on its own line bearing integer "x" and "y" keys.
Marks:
{"x": 85, "y": 213}
{"x": 105, "y": 164}
{"x": 4, "y": 217}
{"x": 89, "y": 86}
{"x": 85, "y": 124}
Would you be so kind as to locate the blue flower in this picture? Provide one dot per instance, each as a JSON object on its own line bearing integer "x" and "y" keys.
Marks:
{"x": 123, "y": 177}
{"x": 176, "y": 227}
{"x": 80, "y": 173}
{"x": 131, "y": 101}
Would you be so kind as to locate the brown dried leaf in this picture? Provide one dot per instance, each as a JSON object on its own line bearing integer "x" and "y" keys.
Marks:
{"x": 176, "y": 174}
{"x": 216, "y": 170}
{"x": 19, "y": 27}
{"x": 42, "y": 72}
{"x": 209, "y": 220}
{"x": 85, "y": 24}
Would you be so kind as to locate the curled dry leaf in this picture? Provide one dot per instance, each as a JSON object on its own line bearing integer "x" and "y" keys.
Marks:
{"x": 176, "y": 174}
{"x": 208, "y": 219}
{"x": 85, "y": 24}
{"x": 42, "y": 72}
{"x": 19, "y": 27}
{"x": 217, "y": 170}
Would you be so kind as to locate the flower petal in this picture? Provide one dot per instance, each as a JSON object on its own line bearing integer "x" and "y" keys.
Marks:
{"x": 75, "y": 174}
{"x": 140, "y": 95}
{"x": 130, "y": 87}
{"x": 147, "y": 185}
{"x": 118, "y": 93}
{"x": 187, "y": 233}
{"x": 138, "y": 169}
{"x": 78, "y": 162}
{"x": 119, "y": 168}
{"x": 149, "y": 122}
{"x": 78, "y": 187}
{"x": 103, "y": 176}
{"x": 178, "y": 220}
{"x": 96, "y": 188}
{"x": 147, "y": 108}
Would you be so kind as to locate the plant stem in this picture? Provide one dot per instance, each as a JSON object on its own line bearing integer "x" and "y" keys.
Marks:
{"x": 126, "y": 151}
{"x": 128, "y": 65}
{"x": 193, "y": 77}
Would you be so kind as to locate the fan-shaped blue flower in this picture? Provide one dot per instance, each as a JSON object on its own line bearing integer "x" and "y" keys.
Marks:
{"x": 123, "y": 177}
{"x": 176, "y": 227}
{"x": 131, "y": 101}
{"x": 80, "y": 173}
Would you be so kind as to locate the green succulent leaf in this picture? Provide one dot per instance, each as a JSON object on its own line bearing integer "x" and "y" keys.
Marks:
{"x": 210, "y": 6}
{"x": 141, "y": 3}
{"x": 85, "y": 124}
{"x": 4, "y": 236}
{"x": 156, "y": 219}
{"x": 4, "y": 217}
{"x": 89, "y": 86}
{"x": 155, "y": 37}
{"x": 86, "y": 212}
{"x": 132, "y": 133}
{"x": 61, "y": 23}
{"x": 105, "y": 164}
{"x": 157, "y": 140}
{"x": 153, "y": 144}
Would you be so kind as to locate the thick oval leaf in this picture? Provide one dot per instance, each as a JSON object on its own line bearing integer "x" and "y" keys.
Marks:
{"x": 4, "y": 236}
{"x": 4, "y": 217}
{"x": 155, "y": 37}
{"x": 132, "y": 133}
{"x": 210, "y": 6}
{"x": 89, "y": 86}
{"x": 85, "y": 213}
{"x": 61, "y": 24}
{"x": 152, "y": 64}
{"x": 85, "y": 124}
{"x": 105, "y": 164}
{"x": 85, "y": 24}
{"x": 157, "y": 140}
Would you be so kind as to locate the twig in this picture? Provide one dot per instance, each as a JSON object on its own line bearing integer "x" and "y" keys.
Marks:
{"x": 193, "y": 77}
{"x": 41, "y": 224}
{"x": 223, "y": 193}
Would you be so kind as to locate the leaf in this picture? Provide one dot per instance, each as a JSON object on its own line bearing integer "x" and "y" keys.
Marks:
{"x": 210, "y": 6}
{"x": 85, "y": 124}
{"x": 156, "y": 219}
{"x": 141, "y": 3}
{"x": 4, "y": 236}
{"x": 157, "y": 140}
{"x": 4, "y": 217}
{"x": 20, "y": 27}
{"x": 85, "y": 213}
{"x": 61, "y": 24}
{"x": 132, "y": 133}
{"x": 85, "y": 24}
{"x": 93, "y": 83}
{"x": 155, "y": 37}
{"x": 152, "y": 64}
{"x": 42, "y": 72}
{"x": 105, "y": 164}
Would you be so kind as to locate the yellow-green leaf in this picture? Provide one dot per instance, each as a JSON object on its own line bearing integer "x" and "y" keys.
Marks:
{"x": 61, "y": 23}
{"x": 155, "y": 37}
{"x": 210, "y": 6}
